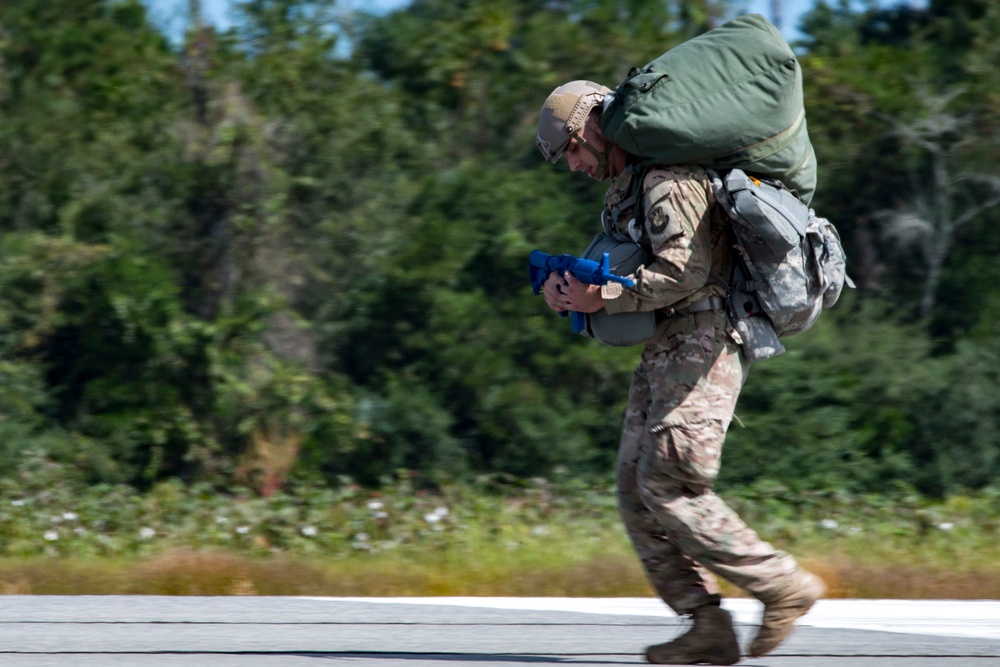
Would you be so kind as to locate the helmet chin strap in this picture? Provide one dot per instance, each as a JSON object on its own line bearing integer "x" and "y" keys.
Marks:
{"x": 603, "y": 170}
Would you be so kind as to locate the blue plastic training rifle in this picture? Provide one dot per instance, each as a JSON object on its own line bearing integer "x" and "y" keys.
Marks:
{"x": 585, "y": 270}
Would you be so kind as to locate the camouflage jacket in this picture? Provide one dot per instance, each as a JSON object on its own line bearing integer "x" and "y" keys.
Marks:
{"x": 685, "y": 233}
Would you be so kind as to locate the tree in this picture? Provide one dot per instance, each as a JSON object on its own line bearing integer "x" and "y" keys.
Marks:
{"x": 929, "y": 214}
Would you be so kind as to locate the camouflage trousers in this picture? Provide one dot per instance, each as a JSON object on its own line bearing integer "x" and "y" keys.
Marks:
{"x": 680, "y": 404}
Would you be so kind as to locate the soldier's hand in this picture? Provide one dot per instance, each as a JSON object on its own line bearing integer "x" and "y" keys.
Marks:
{"x": 581, "y": 297}
{"x": 565, "y": 292}
{"x": 554, "y": 292}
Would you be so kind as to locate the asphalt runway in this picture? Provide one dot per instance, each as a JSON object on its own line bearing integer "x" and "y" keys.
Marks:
{"x": 145, "y": 631}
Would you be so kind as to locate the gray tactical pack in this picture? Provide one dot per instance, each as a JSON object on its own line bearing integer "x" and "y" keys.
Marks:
{"x": 791, "y": 263}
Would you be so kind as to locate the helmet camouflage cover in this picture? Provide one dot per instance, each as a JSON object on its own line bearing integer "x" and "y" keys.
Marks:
{"x": 564, "y": 112}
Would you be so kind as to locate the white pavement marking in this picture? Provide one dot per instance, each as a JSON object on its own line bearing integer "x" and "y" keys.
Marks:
{"x": 946, "y": 618}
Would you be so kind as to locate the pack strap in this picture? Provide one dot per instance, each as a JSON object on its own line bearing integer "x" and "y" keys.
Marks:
{"x": 713, "y": 302}
{"x": 752, "y": 286}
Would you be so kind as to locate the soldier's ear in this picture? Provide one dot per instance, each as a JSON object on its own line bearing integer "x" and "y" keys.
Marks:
{"x": 594, "y": 123}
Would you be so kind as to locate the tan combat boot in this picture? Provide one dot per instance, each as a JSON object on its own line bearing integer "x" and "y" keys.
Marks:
{"x": 782, "y": 610}
{"x": 711, "y": 640}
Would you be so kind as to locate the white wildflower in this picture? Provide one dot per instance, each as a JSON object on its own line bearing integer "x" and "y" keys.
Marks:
{"x": 540, "y": 530}
{"x": 17, "y": 503}
{"x": 242, "y": 530}
{"x": 145, "y": 533}
{"x": 829, "y": 524}
{"x": 381, "y": 515}
{"x": 432, "y": 518}
{"x": 51, "y": 535}
{"x": 375, "y": 505}
{"x": 221, "y": 520}
{"x": 309, "y": 531}
{"x": 947, "y": 525}
{"x": 69, "y": 516}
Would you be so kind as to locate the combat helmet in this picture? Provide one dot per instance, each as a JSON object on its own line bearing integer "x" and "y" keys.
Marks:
{"x": 564, "y": 113}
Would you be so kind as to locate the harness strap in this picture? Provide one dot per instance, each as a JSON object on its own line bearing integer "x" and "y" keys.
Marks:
{"x": 713, "y": 302}
{"x": 611, "y": 215}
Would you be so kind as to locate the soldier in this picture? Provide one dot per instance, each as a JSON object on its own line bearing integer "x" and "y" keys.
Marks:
{"x": 683, "y": 393}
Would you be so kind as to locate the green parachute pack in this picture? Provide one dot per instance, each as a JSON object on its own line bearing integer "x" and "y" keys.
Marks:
{"x": 729, "y": 98}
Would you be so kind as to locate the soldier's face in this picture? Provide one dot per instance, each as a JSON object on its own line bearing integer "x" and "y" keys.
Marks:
{"x": 579, "y": 158}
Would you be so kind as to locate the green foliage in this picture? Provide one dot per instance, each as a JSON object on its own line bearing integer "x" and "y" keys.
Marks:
{"x": 467, "y": 538}
{"x": 45, "y": 508}
{"x": 255, "y": 256}
{"x": 868, "y": 412}
{"x": 906, "y": 126}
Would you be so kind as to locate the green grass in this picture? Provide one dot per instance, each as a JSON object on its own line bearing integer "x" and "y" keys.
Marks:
{"x": 494, "y": 537}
